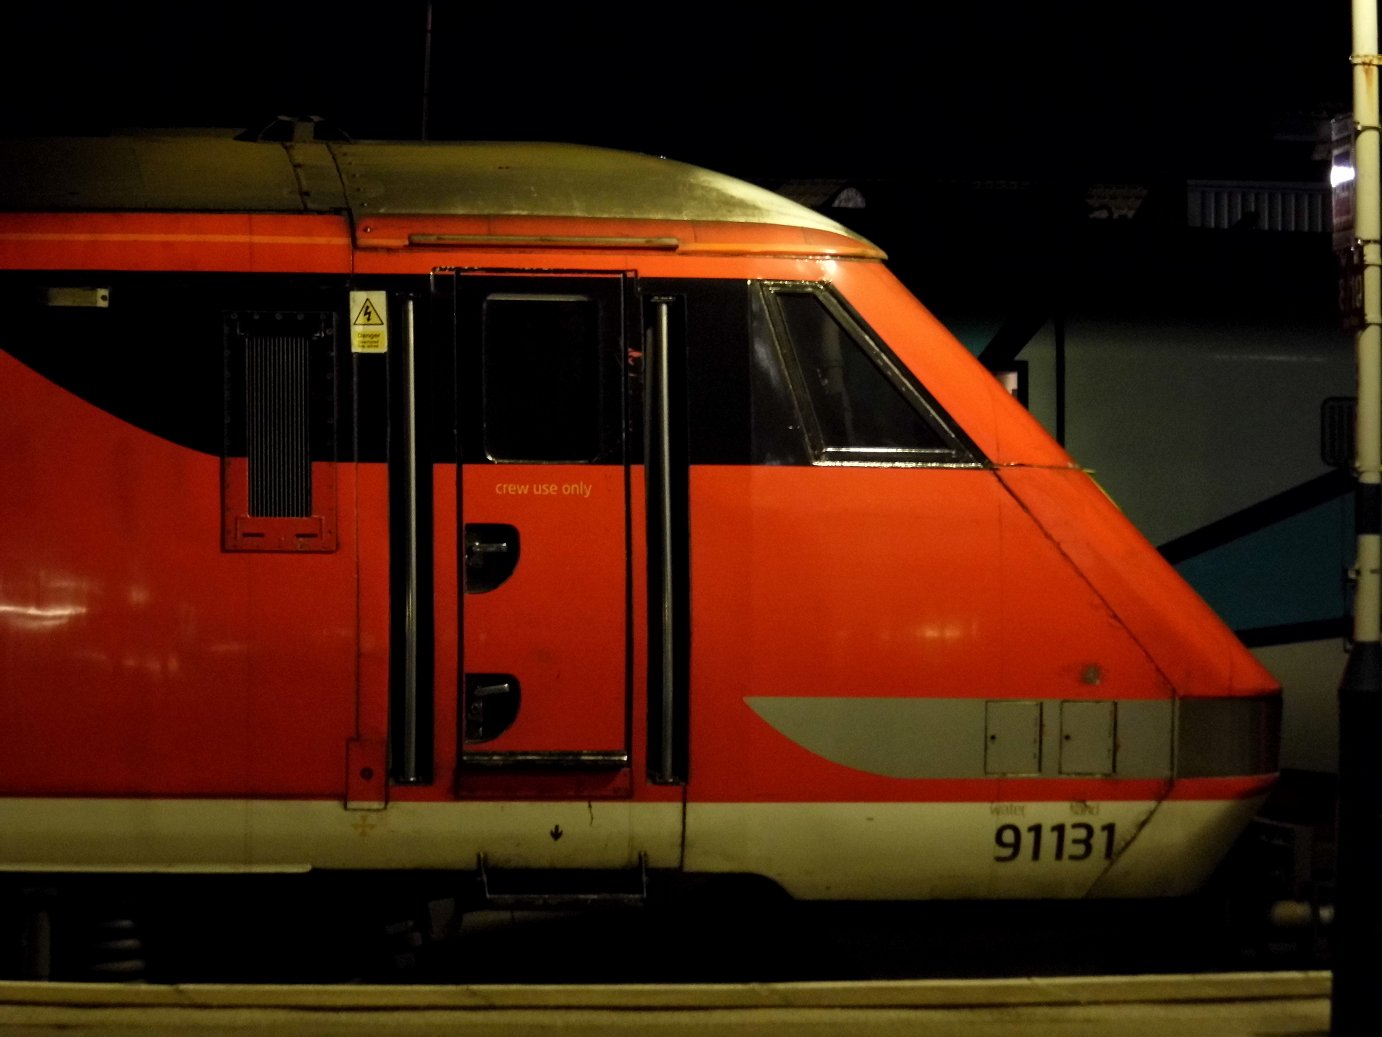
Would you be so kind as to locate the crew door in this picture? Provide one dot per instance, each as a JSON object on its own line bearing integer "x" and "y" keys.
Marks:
{"x": 542, "y": 566}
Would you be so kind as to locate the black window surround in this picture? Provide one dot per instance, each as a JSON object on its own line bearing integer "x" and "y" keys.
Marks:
{"x": 898, "y": 422}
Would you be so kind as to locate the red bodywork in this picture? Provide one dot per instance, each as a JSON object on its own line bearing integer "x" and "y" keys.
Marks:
{"x": 140, "y": 659}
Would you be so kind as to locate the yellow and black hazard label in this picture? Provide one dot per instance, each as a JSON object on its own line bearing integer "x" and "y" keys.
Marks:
{"x": 369, "y": 323}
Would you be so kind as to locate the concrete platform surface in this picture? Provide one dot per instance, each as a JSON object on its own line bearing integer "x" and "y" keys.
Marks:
{"x": 1221, "y": 1005}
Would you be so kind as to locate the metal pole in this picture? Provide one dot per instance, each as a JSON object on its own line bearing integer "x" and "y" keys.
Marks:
{"x": 1358, "y": 898}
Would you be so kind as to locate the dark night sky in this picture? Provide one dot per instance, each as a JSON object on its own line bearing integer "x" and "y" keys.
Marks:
{"x": 1004, "y": 89}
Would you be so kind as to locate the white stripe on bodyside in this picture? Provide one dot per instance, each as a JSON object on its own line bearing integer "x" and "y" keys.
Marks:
{"x": 888, "y": 851}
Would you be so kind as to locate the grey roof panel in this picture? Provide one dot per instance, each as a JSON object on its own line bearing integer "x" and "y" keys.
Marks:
{"x": 380, "y": 178}
{"x": 140, "y": 173}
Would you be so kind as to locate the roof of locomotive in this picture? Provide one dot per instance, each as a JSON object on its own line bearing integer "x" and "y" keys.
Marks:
{"x": 195, "y": 173}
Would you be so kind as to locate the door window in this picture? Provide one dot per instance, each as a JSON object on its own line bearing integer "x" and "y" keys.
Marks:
{"x": 541, "y": 377}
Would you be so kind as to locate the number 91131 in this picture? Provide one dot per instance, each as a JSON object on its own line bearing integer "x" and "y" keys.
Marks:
{"x": 1076, "y": 841}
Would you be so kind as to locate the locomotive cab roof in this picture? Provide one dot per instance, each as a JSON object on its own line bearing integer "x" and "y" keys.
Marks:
{"x": 367, "y": 179}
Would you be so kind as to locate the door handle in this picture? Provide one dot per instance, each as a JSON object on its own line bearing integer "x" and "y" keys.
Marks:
{"x": 491, "y": 555}
{"x": 491, "y": 705}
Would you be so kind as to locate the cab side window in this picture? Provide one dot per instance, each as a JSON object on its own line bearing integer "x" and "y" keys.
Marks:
{"x": 860, "y": 406}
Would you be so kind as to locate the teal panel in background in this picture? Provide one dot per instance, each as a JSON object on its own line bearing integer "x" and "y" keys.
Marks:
{"x": 1293, "y": 571}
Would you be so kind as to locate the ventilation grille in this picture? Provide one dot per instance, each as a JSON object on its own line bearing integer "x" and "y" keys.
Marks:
{"x": 1338, "y": 415}
{"x": 277, "y": 429}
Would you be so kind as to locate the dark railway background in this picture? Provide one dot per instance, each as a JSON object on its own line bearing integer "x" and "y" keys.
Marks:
{"x": 321, "y": 929}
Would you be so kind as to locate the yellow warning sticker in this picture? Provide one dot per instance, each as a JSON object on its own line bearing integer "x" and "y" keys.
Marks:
{"x": 369, "y": 325}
